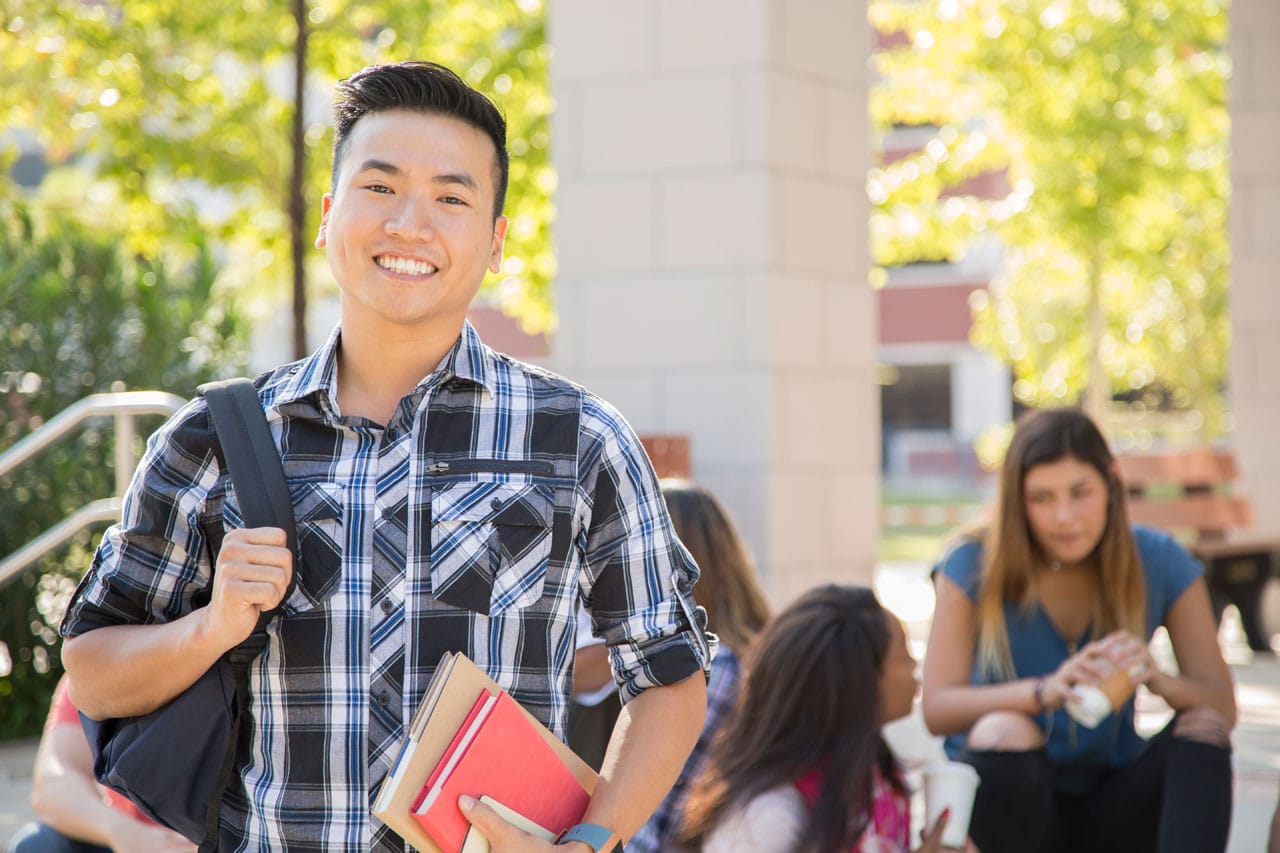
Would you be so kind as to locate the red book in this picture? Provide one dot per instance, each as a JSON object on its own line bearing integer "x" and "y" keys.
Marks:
{"x": 499, "y": 752}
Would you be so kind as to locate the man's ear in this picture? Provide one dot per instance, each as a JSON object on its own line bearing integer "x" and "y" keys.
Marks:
{"x": 322, "y": 234}
{"x": 499, "y": 238}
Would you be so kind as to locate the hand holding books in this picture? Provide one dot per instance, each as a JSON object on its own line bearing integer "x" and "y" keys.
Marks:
{"x": 477, "y": 842}
{"x": 469, "y": 737}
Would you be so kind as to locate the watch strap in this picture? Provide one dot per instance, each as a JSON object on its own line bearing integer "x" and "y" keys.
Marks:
{"x": 593, "y": 835}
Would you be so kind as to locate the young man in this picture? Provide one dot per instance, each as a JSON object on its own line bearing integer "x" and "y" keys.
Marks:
{"x": 447, "y": 498}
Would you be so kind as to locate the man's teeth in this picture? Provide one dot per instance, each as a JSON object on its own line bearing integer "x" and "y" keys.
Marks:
{"x": 405, "y": 266}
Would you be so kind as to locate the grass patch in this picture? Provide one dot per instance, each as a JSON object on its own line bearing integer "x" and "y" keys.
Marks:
{"x": 917, "y": 544}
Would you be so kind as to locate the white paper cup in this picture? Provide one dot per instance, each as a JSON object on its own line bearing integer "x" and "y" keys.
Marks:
{"x": 1088, "y": 705}
{"x": 950, "y": 784}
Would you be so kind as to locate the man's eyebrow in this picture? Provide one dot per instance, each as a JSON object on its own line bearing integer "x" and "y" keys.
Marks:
{"x": 448, "y": 178}
{"x": 461, "y": 178}
{"x": 376, "y": 165}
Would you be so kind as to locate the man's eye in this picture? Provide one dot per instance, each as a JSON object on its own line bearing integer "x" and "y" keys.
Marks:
{"x": 378, "y": 188}
{"x": 452, "y": 199}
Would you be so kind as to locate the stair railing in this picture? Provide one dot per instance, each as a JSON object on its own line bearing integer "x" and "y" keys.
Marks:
{"x": 124, "y": 407}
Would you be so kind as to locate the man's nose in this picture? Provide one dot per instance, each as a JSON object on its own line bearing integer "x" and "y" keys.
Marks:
{"x": 411, "y": 220}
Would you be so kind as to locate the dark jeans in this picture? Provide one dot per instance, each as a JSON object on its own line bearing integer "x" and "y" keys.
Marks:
{"x": 38, "y": 838}
{"x": 1174, "y": 797}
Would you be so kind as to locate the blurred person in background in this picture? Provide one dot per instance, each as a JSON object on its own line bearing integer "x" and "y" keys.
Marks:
{"x": 1060, "y": 592}
{"x": 801, "y": 763}
{"x": 75, "y": 813}
{"x": 729, "y": 591}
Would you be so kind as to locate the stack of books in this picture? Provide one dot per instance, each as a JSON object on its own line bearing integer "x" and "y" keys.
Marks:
{"x": 469, "y": 737}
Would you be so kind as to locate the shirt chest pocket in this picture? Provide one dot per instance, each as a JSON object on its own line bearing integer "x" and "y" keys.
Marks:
{"x": 490, "y": 545}
{"x": 318, "y": 511}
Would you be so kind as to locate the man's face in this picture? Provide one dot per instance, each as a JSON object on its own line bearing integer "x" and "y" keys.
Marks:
{"x": 409, "y": 230}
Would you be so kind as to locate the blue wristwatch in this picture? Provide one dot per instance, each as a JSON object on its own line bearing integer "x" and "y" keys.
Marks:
{"x": 593, "y": 835}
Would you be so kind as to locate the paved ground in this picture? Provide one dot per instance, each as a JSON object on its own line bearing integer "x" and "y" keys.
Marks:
{"x": 905, "y": 588}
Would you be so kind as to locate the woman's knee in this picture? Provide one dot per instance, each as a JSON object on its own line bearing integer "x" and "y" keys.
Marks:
{"x": 1005, "y": 731}
{"x": 1203, "y": 725}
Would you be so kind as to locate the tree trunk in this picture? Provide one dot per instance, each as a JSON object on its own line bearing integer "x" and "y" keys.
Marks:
{"x": 297, "y": 204}
{"x": 1097, "y": 397}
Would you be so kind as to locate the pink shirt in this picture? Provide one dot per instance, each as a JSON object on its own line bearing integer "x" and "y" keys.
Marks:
{"x": 63, "y": 713}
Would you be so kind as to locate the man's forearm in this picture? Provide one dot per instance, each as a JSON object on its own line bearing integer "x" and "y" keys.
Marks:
{"x": 651, "y": 741}
{"x": 127, "y": 670}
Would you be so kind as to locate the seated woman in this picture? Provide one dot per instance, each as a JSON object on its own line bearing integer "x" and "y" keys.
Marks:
{"x": 1058, "y": 593}
{"x": 76, "y": 814}
{"x": 736, "y": 612}
{"x": 801, "y": 763}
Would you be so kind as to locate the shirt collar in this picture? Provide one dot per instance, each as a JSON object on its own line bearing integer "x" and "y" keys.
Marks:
{"x": 470, "y": 359}
{"x": 317, "y": 375}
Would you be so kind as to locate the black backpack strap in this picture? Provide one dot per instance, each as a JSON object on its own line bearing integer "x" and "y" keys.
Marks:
{"x": 251, "y": 458}
{"x": 250, "y": 454}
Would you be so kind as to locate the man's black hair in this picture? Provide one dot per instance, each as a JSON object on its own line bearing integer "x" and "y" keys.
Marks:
{"x": 420, "y": 87}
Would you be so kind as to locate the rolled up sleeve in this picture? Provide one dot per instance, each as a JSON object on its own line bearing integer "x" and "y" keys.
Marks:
{"x": 638, "y": 578}
{"x": 151, "y": 565}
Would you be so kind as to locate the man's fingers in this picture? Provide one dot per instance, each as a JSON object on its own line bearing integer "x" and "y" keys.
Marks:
{"x": 257, "y": 536}
{"x": 487, "y": 821}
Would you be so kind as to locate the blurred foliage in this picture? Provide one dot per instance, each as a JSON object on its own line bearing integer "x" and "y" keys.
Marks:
{"x": 168, "y": 99}
{"x": 79, "y": 312}
{"x": 1110, "y": 120}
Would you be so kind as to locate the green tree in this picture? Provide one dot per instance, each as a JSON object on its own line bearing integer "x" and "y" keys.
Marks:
{"x": 1110, "y": 118}
{"x": 79, "y": 313}
{"x": 167, "y": 99}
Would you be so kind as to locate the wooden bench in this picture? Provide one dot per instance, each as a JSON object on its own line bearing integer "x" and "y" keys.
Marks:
{"x": 1191, "y": 494}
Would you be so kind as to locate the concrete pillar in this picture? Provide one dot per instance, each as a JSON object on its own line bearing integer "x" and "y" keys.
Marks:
{"x": 1255, "y": 246}
{"x": 712, "y": 242}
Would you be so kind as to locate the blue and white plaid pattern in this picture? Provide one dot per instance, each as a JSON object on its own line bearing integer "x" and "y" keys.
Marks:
{"x": 496, "y": 498}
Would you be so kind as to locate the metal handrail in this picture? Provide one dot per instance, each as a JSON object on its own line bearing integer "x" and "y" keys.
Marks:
{"x": 98, "y": 512}
{"x": 124, "y": 406}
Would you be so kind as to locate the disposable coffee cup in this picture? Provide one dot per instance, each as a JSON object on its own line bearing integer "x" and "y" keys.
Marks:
{"x": 950, "y": 785}
{"x": 1118, "y": 688}
{"x": 1090, "y": 704}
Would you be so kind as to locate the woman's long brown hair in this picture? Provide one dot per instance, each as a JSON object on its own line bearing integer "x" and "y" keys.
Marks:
{"x": 727, "y": 588}
{"x": 811, "y": 699}
{"x": 1010, "y": 553}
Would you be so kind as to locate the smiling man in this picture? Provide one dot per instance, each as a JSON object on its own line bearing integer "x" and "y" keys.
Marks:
{"x": 448, "y": 498}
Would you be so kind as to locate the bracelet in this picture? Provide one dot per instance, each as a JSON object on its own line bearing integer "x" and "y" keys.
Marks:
{"x": 593, "y": 835}
{"x": 1039, "y": 693}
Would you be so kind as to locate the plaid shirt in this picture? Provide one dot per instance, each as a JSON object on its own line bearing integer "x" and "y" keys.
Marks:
{"x": 515, "y": 492}
{"x": 722, "y": 694}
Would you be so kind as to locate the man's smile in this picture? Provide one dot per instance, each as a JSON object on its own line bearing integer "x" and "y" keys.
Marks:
{"x": 403, "y": 266}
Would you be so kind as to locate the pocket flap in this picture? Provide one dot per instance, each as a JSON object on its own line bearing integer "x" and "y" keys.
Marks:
{"x": 493, "y": 503}
{"x": 318, "y": 508}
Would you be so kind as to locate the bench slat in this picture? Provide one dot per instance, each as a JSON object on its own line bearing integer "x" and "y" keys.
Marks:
{"x": 1201, "y": 467}
{"x": 1216, "y": 513}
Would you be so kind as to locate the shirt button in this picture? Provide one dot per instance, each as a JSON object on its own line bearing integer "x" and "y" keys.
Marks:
{"x": 387, "y": 606}
{"x": 496, "y": 503}
{"x": 384, "y": 698}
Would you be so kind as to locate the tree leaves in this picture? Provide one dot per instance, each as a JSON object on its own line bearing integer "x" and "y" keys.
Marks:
{"x": 171, "y": 101}
{"x": 1111, "y": 122}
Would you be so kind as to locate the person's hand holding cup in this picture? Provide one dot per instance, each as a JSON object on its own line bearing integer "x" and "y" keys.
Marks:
{"x": 1090, "y": 704}
{"x": 950, "y": 786}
